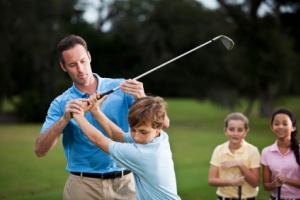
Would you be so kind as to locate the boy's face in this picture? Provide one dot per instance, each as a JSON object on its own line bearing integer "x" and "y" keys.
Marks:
{"x": 144, "y": 134}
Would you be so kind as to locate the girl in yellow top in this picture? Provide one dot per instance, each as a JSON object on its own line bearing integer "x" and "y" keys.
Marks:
{"x": 235, "y": 163}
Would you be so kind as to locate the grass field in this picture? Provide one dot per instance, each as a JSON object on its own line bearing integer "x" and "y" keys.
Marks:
{"x": 196, "y": 129}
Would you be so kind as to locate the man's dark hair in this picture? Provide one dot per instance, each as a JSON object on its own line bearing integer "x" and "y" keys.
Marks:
{"x": 69, "y": 43}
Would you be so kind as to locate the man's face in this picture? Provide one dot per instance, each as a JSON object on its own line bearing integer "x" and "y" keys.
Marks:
{"x": 78, "y": 65}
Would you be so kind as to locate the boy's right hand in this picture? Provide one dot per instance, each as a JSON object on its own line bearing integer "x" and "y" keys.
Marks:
{"x": 94, "y": 99}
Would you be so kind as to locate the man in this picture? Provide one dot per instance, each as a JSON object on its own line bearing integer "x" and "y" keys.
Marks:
{"x": 93, "y": 173}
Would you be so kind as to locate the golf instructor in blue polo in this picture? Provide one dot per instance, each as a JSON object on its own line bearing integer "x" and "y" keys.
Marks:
{"x": 93, "y": 173}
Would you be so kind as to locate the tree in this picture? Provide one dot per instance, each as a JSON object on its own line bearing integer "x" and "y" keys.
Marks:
{"x": 30, "y": 31}
{"x": 266, "y": 56}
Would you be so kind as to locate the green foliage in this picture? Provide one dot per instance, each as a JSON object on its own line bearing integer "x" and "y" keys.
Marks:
{"x": 144, "y": 34}
{"x": 196, "y": 129}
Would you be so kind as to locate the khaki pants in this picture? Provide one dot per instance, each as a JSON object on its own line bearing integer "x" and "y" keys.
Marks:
{"x": 84, "y": 188}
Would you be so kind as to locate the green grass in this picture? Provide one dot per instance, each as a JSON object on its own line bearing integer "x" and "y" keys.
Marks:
{"x": 196, "y": 129}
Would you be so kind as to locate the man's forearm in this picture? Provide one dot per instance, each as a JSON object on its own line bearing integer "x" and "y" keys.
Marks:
{"x": 47, "y": 140}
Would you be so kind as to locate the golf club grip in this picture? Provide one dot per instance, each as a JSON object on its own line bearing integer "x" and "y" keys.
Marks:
{"x": 278, "y": 192}
{"x": 105, "y": 93}
{"x": 240, "y": 193}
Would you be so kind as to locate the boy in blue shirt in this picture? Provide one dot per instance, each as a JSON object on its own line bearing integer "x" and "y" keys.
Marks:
{"x": 145, "y": 150}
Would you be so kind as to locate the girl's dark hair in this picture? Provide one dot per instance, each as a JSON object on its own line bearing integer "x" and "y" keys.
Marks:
{"x": 294, "y": 137}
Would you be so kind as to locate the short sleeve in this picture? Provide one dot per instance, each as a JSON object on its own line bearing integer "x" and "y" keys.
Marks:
{"x": 214, "y": 158}
{"x": 255, "y": 159}
{"x": 264, "y": 160}
{"x": 53, "y": 115}
{"x": 125, "y": 155}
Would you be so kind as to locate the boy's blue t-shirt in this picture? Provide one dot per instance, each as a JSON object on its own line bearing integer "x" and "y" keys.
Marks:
{"x": 151, "y": 164}
{"x": 82, "y": 155}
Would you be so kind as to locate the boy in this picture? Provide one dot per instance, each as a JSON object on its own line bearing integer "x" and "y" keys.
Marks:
{"x": 145, "y": 150}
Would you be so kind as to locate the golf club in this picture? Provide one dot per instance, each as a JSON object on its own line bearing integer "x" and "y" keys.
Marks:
{"x": 240, "y": 193}
{"x": 228, "y": 43}
{"x": 278, "y": 192}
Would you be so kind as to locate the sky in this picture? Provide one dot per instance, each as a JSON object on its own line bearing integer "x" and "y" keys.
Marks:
{"x": 91, "y": 14}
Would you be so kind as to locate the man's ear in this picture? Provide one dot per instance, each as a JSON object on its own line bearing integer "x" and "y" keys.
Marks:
{"x": 63, "y": 66}
{"x": 89, "y": 56}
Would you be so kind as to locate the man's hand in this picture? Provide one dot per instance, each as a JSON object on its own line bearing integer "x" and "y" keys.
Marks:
{"x": 133, "y": 87}
{"x": 232, "y": 163}
{"x": 74, "y": 106}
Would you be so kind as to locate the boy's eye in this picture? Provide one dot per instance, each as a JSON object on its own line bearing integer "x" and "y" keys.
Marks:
{"x": 144, "y": 132}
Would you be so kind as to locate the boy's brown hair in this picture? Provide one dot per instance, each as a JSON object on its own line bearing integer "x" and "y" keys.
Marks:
{"x": 147, "y": 111}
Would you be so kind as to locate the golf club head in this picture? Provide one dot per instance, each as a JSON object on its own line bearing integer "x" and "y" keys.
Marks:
{"x": 228, "y": 43}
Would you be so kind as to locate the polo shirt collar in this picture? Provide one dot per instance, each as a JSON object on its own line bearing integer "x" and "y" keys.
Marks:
{"x": 240, "y": 150}
{"x": 274, "y": 147}
{"x": 80, "y": 94}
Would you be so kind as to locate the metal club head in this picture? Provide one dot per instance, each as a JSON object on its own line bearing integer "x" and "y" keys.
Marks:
{"x": 227, "y": 42}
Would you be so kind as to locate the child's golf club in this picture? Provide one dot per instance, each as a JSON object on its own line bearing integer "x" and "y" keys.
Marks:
{"x": 228, "y": 43}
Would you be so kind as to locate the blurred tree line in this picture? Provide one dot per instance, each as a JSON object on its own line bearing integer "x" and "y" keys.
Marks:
{"x": 263, "y": 65}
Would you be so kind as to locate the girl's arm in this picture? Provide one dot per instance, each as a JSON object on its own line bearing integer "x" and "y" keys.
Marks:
{"x": 214, "y": 180}
{"x": 268, "y": 184}
{"x": 251, "y": 175}
{"x": 292, "y": 182}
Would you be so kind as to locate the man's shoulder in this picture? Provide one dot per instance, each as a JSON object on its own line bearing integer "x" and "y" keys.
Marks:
{"x": 65, "y": 96}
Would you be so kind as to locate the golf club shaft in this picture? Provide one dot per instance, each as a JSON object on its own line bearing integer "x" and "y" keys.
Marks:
{"x": 240, "y": 193}
{"x": 278, "y": 192}
{"x": 172, "y": 60}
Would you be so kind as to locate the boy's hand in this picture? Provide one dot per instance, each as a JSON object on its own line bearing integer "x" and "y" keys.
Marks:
{"x": 79, "y": 106}
{"x": 95, "y": 103}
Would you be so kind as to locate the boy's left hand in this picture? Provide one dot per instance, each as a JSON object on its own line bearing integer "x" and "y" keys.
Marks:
{"x": 82, "y": 103}
{"x": 95, "y": 103}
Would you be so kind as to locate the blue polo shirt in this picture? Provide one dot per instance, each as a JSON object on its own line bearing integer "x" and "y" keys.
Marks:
{"x": 151, "y": 164}
{"x": 82, "y": 155}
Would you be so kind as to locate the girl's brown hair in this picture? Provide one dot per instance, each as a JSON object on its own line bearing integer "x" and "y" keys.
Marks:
{"x": 237, "y": 116}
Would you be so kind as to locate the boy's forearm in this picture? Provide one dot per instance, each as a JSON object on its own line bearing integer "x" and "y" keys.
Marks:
{"x": 113, "y": 131}
{"x": 93, "y": 134}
